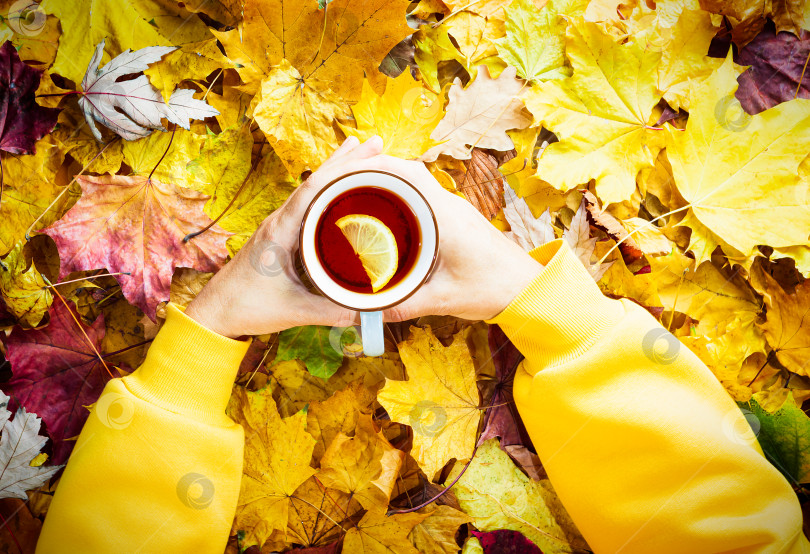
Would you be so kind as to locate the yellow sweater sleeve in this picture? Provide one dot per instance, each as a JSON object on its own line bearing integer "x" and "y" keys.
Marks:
{"x": 158, "y": 464}
{"x": 643, "y": 445}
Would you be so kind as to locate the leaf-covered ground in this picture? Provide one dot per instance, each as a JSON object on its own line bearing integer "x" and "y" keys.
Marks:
{"x": 141, "y": 144}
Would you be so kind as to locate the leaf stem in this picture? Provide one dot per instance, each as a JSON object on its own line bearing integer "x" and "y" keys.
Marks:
{"x": 212, "y": 84}
{"x": 323, "y": 33}
{"x": 329, "y": 496}
{"x": 84, "y": 279}
{"x": 259, "y": 365}
{"x": 473, "y": 3}
{"x": 319, "y": 510}
{"x": 130, "y": 347}
{"x": 639, "y": 228}
{"x": 675, "y": 301}
{"x": 69, "y": 93}
{"x": 441, "y": 493}
{"x": 10, "y": 532}
{"x": 767, "y": 359}
{"x": 72, "y": 315}
{"x": 801, "y": 79}
{"x": 168, "y": 147}
{"x": 190, "y": 236}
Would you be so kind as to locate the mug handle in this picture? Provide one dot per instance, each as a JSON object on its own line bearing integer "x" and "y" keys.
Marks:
{"x": 371, "y": 329}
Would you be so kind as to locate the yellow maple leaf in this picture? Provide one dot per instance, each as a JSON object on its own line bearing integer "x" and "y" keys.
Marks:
{"x": 602, "y": 114}
{"x": 605, "y": 10}
{"x": 436, "y": 534}
{"x": 534, "y": 41}
{"x": 726, "y": 307}
{"x": 521, "y": 173}
{"x": 683, "y": 48}
{"x": 319, "y": 515}
{"x": 497, "y": 495}
{"x": 74, "y": 136}
{"x": 487, "y": 8}
{"x": 222, "y": 163}
{"x": 800, "y": 254}
{"x": 33, "y": 33}
{"x": 333, "y": 46}
{"x": 701, "y": 290}
{"x": 785, "y": 324}
{"x": 571, "y": 8}
{"x": 432, "y": 46}
{"x": 294, "y": 387}
{"x": 193, "y": 61}
{"x": 277, "y": 456}
{"x": 30, "y": 185}
{"x": 466, "y": 38}
{"x": 649, "y": 238}
{"x": 364, "y": 466}
{"x": 739, "y": 173}
{"x": 618, "y": 280}
{"x": 223, "y": 11}
{"x": 668, "y": 11}
{"x": 439, "y": 400}
{"x": 125, "y": 24}
{"x": 476, "y": 38}
{"x": 338, "y": 414}
{"x": 23, "y": 289}
{"x": 233, "y": 103}
{"x": 241, "y": 198}
{"x": 404, "y": 116}
{"x": 296, "y": 116}
{"x": 378, "y": 533}
{"x": 144, "y": 155}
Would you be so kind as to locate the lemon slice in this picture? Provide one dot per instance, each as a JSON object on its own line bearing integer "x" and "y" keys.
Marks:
{"x": 374, "y": 244}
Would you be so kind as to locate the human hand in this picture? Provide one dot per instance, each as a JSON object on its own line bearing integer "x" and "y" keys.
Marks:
{"x": 478, "y": 272}
{"x": 258, "y": 291}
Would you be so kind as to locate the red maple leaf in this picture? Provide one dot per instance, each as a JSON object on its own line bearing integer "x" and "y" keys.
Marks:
{"x": 22, "y": 121}
{"x": 56, "y": 373}
{"x": 137, "y": 225}
{"x": 505, "y": 541}
{"x": 502, "y": 418}
{"x": 778, "y": 62}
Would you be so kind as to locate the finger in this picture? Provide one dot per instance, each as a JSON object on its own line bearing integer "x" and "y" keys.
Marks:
{"x": 350, "y": 143}
{"x": 354, "y": 150}
{"x": 336, "y": 166}
{"x": 295, "y": 206}
{"x": 408, "y": 170}
{"x": 372, "y": 147}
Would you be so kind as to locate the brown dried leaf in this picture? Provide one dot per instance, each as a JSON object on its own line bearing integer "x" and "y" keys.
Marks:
{"x": 614, "y": 229}
{"x": 481, "y": 183}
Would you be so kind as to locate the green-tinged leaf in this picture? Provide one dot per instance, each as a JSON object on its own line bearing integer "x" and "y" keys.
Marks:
{"x": 497, "y": 495}
{"x": 23, "y": 289}
{"x": 319, "y": 347}
{"x": 784, "y": 437}
{"x": 534, "y": 41}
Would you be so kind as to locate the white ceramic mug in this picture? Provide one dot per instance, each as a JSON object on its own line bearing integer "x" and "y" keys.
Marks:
{"x": 370, "y": 305}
